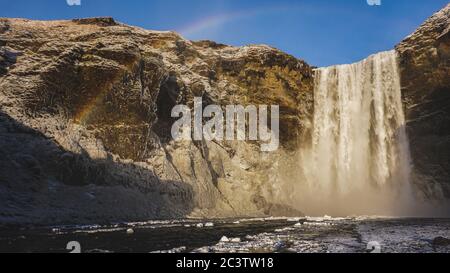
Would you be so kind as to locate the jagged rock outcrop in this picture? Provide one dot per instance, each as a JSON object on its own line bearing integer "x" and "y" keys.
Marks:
{"x": 85, "y": 123}
{"x": 425, "y": 73}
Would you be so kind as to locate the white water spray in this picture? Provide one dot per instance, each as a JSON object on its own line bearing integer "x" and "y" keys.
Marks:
{"x": 359, "y": 162}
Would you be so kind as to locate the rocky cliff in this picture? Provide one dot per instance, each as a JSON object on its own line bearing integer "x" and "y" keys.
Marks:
{"x": 425, "y": 74}
{"x": 85, "y": 123}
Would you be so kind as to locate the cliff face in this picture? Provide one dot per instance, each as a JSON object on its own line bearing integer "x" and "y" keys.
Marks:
{"x": 425, "y": 73}
{"x": 85, "y": 123}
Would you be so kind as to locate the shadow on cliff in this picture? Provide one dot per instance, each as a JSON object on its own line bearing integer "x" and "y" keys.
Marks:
{"x": 42, "y": 183}
{"x": 428, "y": 128}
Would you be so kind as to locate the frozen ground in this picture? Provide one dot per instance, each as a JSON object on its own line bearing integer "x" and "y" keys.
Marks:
{"x": 308, "y": 234}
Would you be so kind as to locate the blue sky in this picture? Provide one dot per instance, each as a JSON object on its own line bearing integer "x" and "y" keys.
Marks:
{"x": 322, "y": 32}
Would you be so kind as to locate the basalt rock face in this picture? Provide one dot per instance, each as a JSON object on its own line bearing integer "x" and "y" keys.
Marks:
{"x": 85, "y": 124}
{"x": 425, "y": 75}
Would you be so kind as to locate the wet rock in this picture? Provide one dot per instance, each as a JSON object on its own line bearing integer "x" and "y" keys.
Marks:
{"x": 441, "y": 241}
{"x": 174, "y": 250}
{"x": 280, "y": 245}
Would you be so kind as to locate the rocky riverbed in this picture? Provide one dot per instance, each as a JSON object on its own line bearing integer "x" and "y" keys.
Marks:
{"x": 85, "y": 123}
{"x": 266, "y": 235}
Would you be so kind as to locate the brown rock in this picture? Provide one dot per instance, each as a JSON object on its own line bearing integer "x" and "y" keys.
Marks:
{"x": 90, "y": 101}
{"x": 425, "y": 76}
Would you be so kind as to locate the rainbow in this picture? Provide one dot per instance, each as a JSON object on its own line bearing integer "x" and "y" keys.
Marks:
{"x": 209, "y": 22}
{"x": 85, "y": 112}
{"x": 83, "y": 115}
{"x": 194, "y": 28}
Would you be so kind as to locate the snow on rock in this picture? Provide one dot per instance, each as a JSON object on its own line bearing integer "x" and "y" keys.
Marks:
{"x": 295, "y": 219}
{"x": 284, "y": 229}
{"x": 317, "y": 224}
{"x": 174, "y": 250}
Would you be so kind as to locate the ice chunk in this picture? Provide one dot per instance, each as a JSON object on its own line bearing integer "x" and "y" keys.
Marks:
{"x": 236, "y": 240}
{"x": 294, "y": 219}
{"x": 173, "y": 250}
{"x": 317, "y": 224}
{"x": 283, "y": 229}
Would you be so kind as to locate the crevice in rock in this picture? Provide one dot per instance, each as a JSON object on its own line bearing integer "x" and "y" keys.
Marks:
{"x": 169, "y": 92}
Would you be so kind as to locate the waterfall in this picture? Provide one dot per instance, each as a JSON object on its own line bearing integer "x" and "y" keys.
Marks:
{"x": 359, "y": 160}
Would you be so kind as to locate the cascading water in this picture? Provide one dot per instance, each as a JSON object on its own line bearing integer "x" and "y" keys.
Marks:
{"x": 359, "y": 161}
